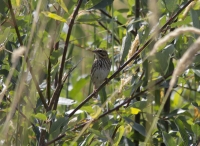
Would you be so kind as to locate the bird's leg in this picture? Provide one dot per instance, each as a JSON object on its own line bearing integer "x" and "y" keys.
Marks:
{"x": 95, "y": 92}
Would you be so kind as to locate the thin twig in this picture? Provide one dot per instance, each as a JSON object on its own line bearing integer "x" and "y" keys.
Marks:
{"x": 48, "y": 80}
{"x": 59, "y": 86}
{"x": 15, "y": 23}
{"x": 63, "y": 135}
{"x": 119, "y": 23}
{"x": 63, "y": 81}
{"x": 115, "y": 131}
{"x": 101, "y": 24}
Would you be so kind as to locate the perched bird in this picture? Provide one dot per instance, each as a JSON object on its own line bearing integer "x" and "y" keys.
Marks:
{"x": 100, "y": 68}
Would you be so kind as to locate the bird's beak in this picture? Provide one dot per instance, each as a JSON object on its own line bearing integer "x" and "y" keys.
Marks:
{"x": 94, "y": 51}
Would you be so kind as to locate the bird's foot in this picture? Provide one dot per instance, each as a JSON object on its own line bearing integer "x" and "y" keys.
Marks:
{"x": 95, "y": 93}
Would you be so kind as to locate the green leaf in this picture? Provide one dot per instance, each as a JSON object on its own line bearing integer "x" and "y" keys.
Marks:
{"x": 162, "y": 20}
{"x": 168, "y": 139}
{"x": 136, "y": 126}
{"x": 96, "y": 132}
{"x": 87, "y": 17}
{"x": 6, "y": 32}
{"x": 62, "y": 4}
{"x": 134, "y": 111}
{"x": 196, "y": 130}
{"x": 103, "y": 95}
{"x": 140, "y": 104}
{"x": 81, "y": 82}
{"x": 139, "y": 128}
{"x": 40, "y": 116}
{"x": 126, "y": 44}
{"x": 170, "y": 5}
{"x": 119, "y": 135}
{"x": 182, "y": 130}
{"x": 54, "y": 16}
{"x": 98, "y": 4}
{"x": 162, "y": 59}
{"x": 136, "y": 86}
{"x": 195, "y": 19}
{"x": 195, "y": 104}
{"x": 144, "y": 32}
{"x": 88, "y": 140}
{"x": 3, "y": 8}
{"x": 54, "y": 56}
{"x": 186, "y": 21}
{"x": 56, "y": 126}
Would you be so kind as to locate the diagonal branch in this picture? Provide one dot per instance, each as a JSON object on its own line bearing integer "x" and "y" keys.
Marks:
{"x": 119, "y": 23}
{"x": 67, "y": 40}
{"x": 128, "y": 61}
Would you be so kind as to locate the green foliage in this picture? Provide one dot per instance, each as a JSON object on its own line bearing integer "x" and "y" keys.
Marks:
{"x": 46, "y": 93}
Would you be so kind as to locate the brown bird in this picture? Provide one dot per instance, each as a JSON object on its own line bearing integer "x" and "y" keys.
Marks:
{"x": 100, "y": 68}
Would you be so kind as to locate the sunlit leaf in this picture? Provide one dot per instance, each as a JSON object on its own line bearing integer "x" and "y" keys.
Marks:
{"x": 41, "y": 116}
{"x": 134, "y": 111}
{"x": 54, "y": 16}
{"x": 196, "y": 130}
{"x": 17, "y": 2}
{"x": 62, "y": 4}
{"x": 119, "y": 135}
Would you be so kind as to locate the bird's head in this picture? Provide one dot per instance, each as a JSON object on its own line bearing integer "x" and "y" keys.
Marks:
{"x": 99, "y": 53}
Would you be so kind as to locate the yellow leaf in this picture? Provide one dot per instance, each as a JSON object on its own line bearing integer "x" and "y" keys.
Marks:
{"x": 54, "y": 16}
{"x": 134, "y": 111}
{"x": 62, "y": 4}
{"x": 18, "y": 2}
